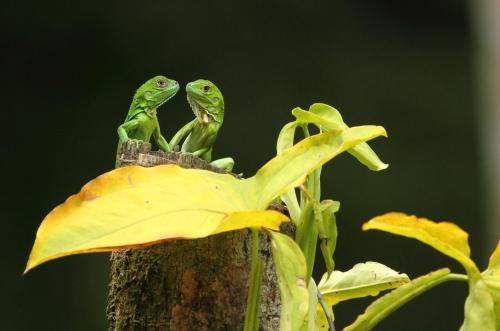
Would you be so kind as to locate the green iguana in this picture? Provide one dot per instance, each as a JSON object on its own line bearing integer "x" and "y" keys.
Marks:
{"x": 207, "y": 103}
{"x": 141, "y": 122}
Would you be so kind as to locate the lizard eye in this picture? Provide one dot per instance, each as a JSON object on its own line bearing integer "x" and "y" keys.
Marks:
{"x": 206, "y": 88}
{"x": 161, "y": 83}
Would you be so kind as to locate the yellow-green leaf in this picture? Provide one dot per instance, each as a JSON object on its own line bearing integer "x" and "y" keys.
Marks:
{"x": 250, "y": 219}
{"x": 291, "y": 270}
{"x": 328, "y": 113}
{"x": 479, "y": 310}
{"x": 321, "y": 319}
{"x": 493, "y": 269}
{"x": 491, "y": 277}
{"x": 385, "y": 305}
{"x": 134, "y": 206}
{"x": 285, "y": 141}
{"x": 362, "y": 280}
{"x": 287, "y": 133}
{"x": 311, "y": 321}
{"x": 290, "y": 168}
{"x": 327, "y": 119}
{"x": 306, "y": 117}
{"x": 286, "y": 137}
{"x": 362, "y": 152}
{"x": 445, "y": 237}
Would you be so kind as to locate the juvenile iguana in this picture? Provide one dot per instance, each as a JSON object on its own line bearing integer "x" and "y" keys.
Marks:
{"x": 141, "y": 122}
{"x": 207, "y": 103}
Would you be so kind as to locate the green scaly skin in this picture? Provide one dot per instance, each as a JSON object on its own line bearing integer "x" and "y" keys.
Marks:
{"x": 207, "y": 103}
{"x": 141, "y": 122}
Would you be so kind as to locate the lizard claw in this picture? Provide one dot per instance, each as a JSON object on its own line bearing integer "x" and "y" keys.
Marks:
{"x": 132, "y": 144}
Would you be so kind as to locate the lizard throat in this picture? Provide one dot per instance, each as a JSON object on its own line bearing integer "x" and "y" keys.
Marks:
{"x": 151, "y": 112}
{"x": 203, "y": 116}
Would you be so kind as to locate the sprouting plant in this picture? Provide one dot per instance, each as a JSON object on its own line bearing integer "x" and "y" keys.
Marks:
{"x": 134, "y": 206}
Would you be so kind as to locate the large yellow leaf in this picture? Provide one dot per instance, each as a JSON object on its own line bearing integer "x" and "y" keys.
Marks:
{"x": 445, "y": 237}
{"x": 135, "y": 206}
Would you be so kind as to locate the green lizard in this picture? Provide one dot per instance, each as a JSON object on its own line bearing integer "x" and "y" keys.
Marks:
{"x": 141, "y": 122}
{"x": 207, "y": 103}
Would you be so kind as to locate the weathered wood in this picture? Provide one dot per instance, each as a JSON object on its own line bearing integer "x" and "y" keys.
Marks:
{"x": 187, "y": 284}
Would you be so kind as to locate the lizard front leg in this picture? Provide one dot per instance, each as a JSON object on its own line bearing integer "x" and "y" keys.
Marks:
{"x": 200, "y": 152}
{"x": 160, "y": 140}
{"x": 183, "y": 132}
{"x": 125, "y": 128}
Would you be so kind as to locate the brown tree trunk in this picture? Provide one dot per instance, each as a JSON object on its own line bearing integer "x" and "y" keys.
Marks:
{"x": 187, "y": 284}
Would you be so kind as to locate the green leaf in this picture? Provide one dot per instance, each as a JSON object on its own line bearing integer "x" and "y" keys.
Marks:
{"x": 491, "y": 277}
{"x": 306, "y": 237}
{"x": 285, "y": 141}
{"x": 327, "y": 229}
{"x": 307, "y": 117}
{"x": 286, "y": 137}
{"x": 328, "y": 113}
{"x": 362, "y": 152}
{"x": 291, "y": 270}
{"x": 479, "y": 309}
{"x": 445, "y": 237}
{"x": 384, "y": 306}
{"x": 327, "y": 119}
{"x": 290, "y": 168}
{"x": 290, "y": 200}
{"x": 362, "y": 280}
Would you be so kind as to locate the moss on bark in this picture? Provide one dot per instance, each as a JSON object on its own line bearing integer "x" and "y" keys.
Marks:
{"x": 187, "y": 284}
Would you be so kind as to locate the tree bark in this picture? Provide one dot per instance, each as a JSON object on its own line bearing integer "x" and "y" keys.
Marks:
{"x": 187, "y": 284}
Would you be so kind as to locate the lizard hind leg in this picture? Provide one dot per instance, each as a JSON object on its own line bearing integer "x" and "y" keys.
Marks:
{"x": 226, "y": 163}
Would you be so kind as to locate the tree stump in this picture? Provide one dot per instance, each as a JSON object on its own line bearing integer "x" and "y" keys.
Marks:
{"x": 187, "y": 285}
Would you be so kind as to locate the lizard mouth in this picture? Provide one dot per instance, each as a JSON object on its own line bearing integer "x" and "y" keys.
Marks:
{"x": 153, "y": 111}
{"x": 166, "y": 99}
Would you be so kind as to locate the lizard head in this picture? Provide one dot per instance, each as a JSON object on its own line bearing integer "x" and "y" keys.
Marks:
{"x": 206, "y": 101}
{"x": 155, "y": 92}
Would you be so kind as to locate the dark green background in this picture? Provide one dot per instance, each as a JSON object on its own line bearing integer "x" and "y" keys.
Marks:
{"x": 72, "y": 67}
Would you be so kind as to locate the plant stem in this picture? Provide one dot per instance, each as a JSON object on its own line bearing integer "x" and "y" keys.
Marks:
{"x": 293, "y": 206}
{"x": 303, "y": 199}
{"x": 456, "y": 277}
{"x": 255, "y": 283}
